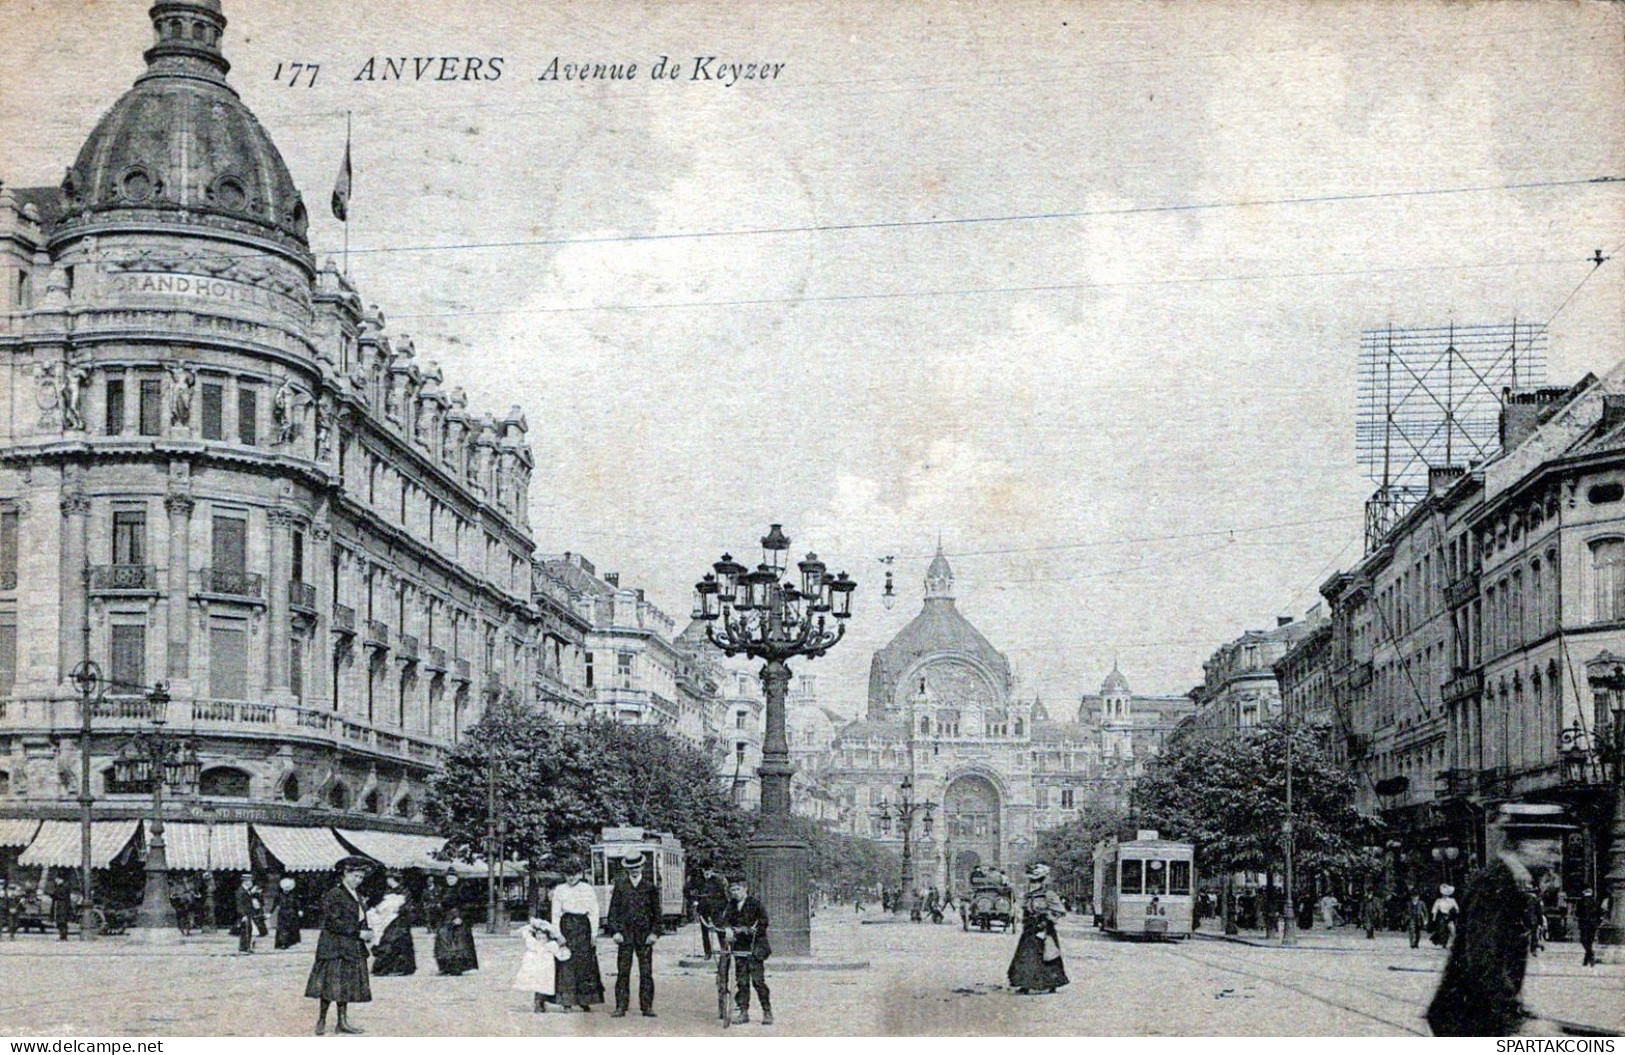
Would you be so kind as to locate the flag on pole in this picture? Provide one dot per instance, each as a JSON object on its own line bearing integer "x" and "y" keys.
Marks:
{"x": 341, "y": 188}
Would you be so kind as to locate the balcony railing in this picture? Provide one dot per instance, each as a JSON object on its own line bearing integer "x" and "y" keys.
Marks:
{"x": 228, "y": 582}
{"x": 437, "y": 658}
{"x": 302, "y": 595}
{"x": 1457, "y": 783}
{"x": 409, "y": 648}
{"x": 462, "y": 670}
{"x": 377, "y": 633}
{"x": 1463, "y": 686}
{"x": 344, "y": 619}
{"x": 124, "y": 578}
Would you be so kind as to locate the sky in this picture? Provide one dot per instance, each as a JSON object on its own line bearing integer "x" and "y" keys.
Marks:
{"x": 1075, "y": 287}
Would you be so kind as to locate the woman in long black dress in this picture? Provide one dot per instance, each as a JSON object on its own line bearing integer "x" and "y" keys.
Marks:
{"x": 391, "y": 919}
{"x": 1037, "y": 966}
{"x": 575, "y": 914}
{"x": 287, "y": 916}
{"x": 453, "y": 941}
{"x": 339, "y": 975}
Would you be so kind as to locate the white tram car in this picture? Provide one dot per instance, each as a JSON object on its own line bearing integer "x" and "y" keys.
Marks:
{"x": 1144, "y": 887}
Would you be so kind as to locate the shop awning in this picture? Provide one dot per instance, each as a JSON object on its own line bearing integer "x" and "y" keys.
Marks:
{"x": 188, "y": 848}
{"x": 57, "y": 844}
{"x": 301, "y": 849}
{"x": 395, "y": 849}
{"x": 17, "y": 832}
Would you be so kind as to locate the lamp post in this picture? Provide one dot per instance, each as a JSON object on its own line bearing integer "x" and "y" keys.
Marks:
{"x": 156, "y": 759}
{"x": 903, "y": 812}
{"x": 208, "y": 872}
{"x": 755, "y": 614}
{"x": 1606, "y": 673}
{"x": 1289, "y": 912}
{"x": 87, "y": 678}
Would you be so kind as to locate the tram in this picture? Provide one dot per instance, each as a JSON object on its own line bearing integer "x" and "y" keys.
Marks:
{"x": 1144, "y": 887}
{"x": 662, "y": 862}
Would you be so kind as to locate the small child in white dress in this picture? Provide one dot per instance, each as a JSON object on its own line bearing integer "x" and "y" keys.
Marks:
{"x": 544, "y": 947}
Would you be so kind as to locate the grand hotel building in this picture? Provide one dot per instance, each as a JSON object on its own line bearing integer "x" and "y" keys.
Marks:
{"x": 219, "y": 470}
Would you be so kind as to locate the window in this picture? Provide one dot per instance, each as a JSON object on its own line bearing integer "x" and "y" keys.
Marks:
{"x": 1156, "y": 877}
{"x": 1133, "y": 877}
{"x": 247, "y": 413}
{"x": 115, "y": 405}
{"x": 230, "y": 544}
{"x": 1608, "y": 580}
{"x": 587, "y": 666}
{"x": 8, "y": 652}
{"x": 212, "y": 403}
{"x": 739, "y": 752}
{"x": 1066, "y": 798}
{"x": 129, "y": 536}
{"x": 296, "y": 666}
{"x": 1179, "y": 878}
{"x": 228, "y": 659}
{"x": 8, "y": 549}
{"x": 152, "y": 407}
{"x": 129, "y": 658}
{"x": 1605, "y": 494}
{"x": 623, "y": 669}
{"x": 1043, "y": 797}
{"x": 739, "y": 719}
{"x": 223, "y": 782}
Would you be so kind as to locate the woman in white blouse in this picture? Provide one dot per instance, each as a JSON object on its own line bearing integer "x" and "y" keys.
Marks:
{"x": 575, "y": 914}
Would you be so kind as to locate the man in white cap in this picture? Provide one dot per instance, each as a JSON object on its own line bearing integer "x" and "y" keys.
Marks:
{"x": 634, "y": 921}
{"x": 1478, "y": 993}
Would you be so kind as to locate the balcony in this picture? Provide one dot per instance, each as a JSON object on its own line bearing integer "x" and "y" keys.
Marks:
{"x": 1457, "y": 783}
{"x": 437, "y": 660}
{"x": 302, "y": 597}
{"x": 1464, "y": 686}
{"x": 376, "y": 634}
{"x": 123, "y": 579}
{"x": 343, "y": 620}
{"x": 228, "y": 582}
{"x": 408, "y": 650}
{"x": 462, "y": 670}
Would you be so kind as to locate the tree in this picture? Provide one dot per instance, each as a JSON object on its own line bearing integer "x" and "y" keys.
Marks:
{"x": 1069, "y": 849}
{"x": 840, "y": 863}
{"x": 1228, "y": 796}
{"x": 558, "y": 785}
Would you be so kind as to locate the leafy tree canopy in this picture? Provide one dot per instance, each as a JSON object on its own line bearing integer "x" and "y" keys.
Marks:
{"x": 1069, "y": 849}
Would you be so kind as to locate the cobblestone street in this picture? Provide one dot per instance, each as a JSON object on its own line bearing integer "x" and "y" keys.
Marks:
{"x": 923, "y": 979}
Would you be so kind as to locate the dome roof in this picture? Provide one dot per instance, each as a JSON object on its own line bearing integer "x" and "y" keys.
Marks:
{"x": 180, "y": 146}
{"x": 939, "y": 628}
{"x": 1115, "y": 683}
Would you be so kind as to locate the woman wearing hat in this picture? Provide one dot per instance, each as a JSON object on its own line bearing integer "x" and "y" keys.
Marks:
{"x": 1445, "y": 912}
{"x": 287, "y": 916}
{"x": 453, "y": 940}
{"x": 339, "y": 975}
{"x": 391, "y": 920}
{"x": 1037, "y": 966}
{"x": 575, "y": 914}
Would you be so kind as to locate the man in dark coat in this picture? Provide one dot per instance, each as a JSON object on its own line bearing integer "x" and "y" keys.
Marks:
{"x": 1586, "y": 918}
{"x": 1478, "y": 993}
{"x": 247, "y": 907}
{"x": 634, "y": 921}
{"x": 339, "y": 975}
{"x": 744, "y": 929}
{"x": 712, "y": 899}
{"x": 61, "y": 907}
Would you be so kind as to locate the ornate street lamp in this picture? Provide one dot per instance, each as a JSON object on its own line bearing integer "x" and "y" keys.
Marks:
{"x": 87, "y": 678}
{"x": 1606, "y": 673}
{"x": 1571, "y": 749}
{"x": 157, "y": 760}
{"x": 903, "y": 812}
{"x": 764, "y": 615}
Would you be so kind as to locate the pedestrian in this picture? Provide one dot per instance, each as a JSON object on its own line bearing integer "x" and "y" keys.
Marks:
{"x": 712, "y": 899}
{"x": 1037, "y": 966}
{"x": 391, "y": 920}
{"x": 1371, "y": 914}
{"x": 184, "y": 898}
{"x": 575, "y": 915}
{"x": 540, "y": 966}
{"x": 1478, "y": 994}
{"x": 259, "y": 912}
{"x": 287, "y": 915}
{"x": 933, "y": 905}
{"x": 744, "y": 931}
{"x": 454, "y": 951}
{"x": 915, "y": 902}
{"x": 1328, "y": 911}
{"x": 1586, "y": 918}
{"x": 1535, "y": 923}
{"x": 247, "y": 905}
{"x": 1416, "y": 918}
{"x": 1445, "y": 914}
{"x": 339, "y": 975}
{"x": 62, "y": 906}
{"x": 634, "y": 922}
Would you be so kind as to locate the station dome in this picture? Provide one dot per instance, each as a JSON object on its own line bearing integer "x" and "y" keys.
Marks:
{"x": 1115, "y": 684}
{"x": 180, "y": 148}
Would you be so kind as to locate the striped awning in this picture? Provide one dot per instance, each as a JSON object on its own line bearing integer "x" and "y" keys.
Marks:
{"x": 395, "y": 849}
{"x": 57, "y": 844}
{"x": 301, "y": 849}
{"x": 187, "y": 847}
{"x": 17, "y": 832}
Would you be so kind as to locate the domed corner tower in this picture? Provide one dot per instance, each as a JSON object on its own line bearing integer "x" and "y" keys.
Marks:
{"x": 1116, "y": 716}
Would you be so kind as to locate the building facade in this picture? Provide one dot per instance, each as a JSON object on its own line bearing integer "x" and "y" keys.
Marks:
{"x": 221, "y": 471}
{"x": 1240, "y": 689}
{"x": 942, "y": 711}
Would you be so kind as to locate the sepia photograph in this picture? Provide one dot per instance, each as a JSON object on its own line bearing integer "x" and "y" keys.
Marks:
{"x": 819, "y": 518}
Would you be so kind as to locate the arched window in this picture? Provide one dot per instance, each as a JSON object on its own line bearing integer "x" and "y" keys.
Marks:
{"x": 1607, "y": 580}
{"x": 5, "y": 782}
{"x": 406, "y": 808}
{"x": 223, "y": 782}
{"x": 370, "y": 804}
{"x": 1018, "y": 726}
{"x": 290, "y": 788}
{"x": 338, "y": 797}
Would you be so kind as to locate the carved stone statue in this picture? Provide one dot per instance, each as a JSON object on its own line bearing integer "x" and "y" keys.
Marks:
{"x": 287, "y": 408}
{"x": 324, "y": 429}
{"x": 70, "y": 394}
{"x": 182, "y": 383}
